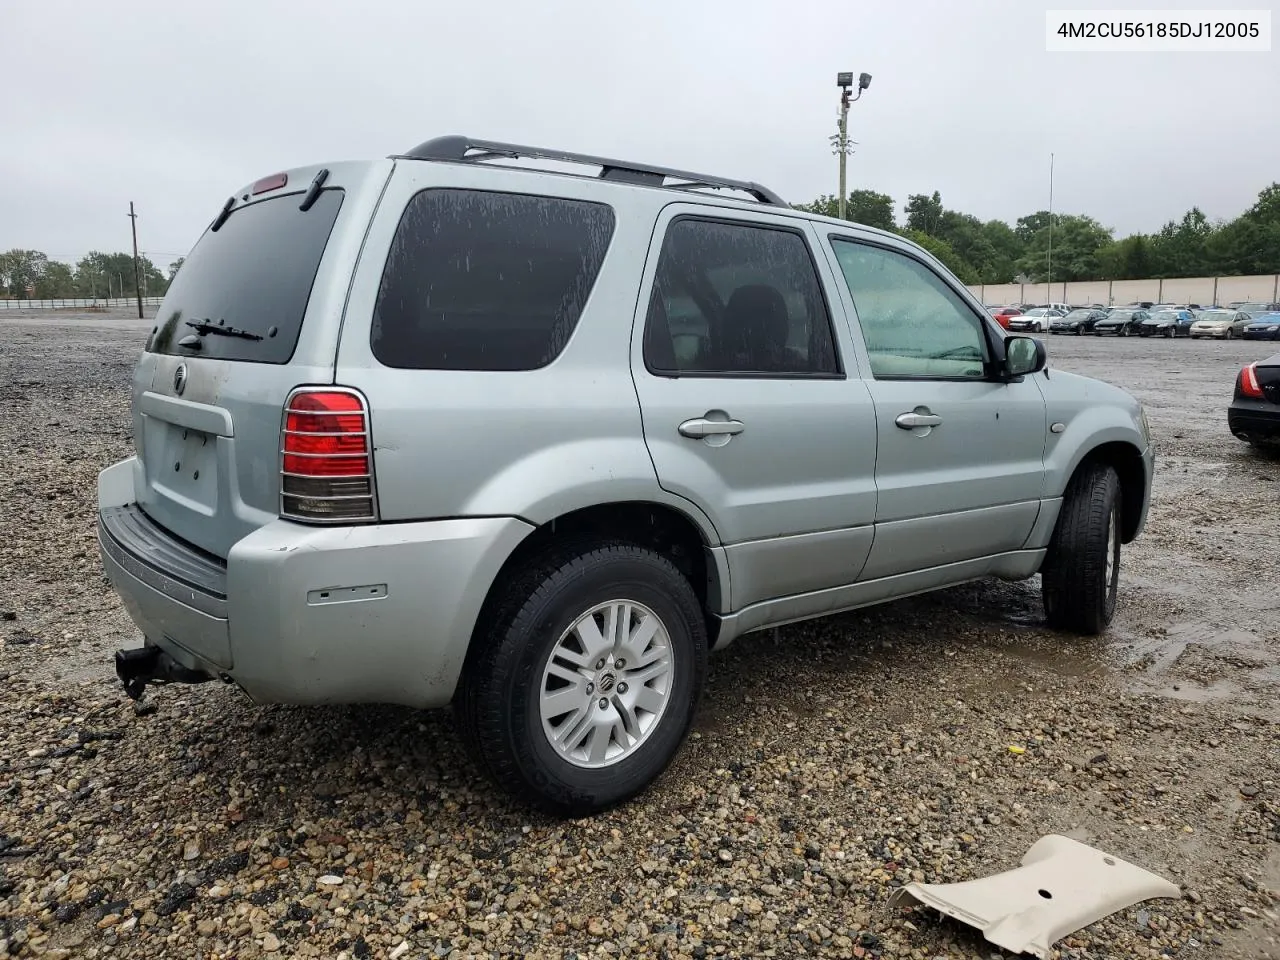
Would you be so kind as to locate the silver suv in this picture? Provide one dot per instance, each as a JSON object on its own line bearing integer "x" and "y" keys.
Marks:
{"x": 442, "y": 428}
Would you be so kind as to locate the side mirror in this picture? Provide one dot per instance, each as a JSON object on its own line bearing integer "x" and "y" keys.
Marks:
{"x": 1023, "y": 356}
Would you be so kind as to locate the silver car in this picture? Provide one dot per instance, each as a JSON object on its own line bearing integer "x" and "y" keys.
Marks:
{"x": 1220, "y": 324}
{"x": 433, "y": 429}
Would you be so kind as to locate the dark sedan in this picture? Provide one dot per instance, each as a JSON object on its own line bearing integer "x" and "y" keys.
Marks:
{"x": 1263, "y": 327}
{"x": 1120, "y": 322}
{"x": 1254, "y": 414}
{"x": 1168, "y": 323}
{"x": 1077, "y": 321}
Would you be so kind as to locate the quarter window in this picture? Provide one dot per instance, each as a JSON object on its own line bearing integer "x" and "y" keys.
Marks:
{"x": 479, "y": 280}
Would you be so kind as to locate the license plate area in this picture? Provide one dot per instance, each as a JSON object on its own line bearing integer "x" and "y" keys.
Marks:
{"x": 183, "y": 464}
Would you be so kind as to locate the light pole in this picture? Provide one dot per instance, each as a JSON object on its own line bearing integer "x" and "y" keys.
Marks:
{"x": 844, "y": 81}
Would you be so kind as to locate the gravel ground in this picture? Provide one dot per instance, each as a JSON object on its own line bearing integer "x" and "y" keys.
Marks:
{"x": 216, "y": 828}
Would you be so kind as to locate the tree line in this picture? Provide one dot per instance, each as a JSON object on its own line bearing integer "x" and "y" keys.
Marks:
{"x": 30, "y": 273}
{"x": 1083, "y": 249}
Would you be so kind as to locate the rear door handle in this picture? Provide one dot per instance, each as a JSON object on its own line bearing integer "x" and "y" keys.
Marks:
{"x": 701, "y": 427}
{"x": 909, "y": 421}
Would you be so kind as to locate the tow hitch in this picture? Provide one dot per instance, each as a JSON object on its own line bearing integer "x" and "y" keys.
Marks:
{"x": 149, "y": 664}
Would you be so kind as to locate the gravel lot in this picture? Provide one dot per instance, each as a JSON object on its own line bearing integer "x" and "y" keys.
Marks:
{"x": 832, "y": 761}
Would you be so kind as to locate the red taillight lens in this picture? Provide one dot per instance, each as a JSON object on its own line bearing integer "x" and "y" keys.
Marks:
{"x": 326, "y": 458}
{"x": 1249, "y": 385}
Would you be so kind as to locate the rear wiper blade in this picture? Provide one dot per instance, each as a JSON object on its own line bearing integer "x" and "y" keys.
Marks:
{"x": 221, "y": 329}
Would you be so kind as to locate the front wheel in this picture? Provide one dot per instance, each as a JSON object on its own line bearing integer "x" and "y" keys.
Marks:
{"x": 1231, "y": 334}
{"x": 1169, "y": 333}
{"x": 589, "y": 669}
{"x": 1081, "y": 572}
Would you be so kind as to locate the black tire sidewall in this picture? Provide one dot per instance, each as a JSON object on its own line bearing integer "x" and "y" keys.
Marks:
{"x": 640, "y": 577}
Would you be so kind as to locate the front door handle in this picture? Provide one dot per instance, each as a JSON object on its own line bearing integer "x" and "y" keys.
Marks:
{"x": 700, "y": 427}
{"x": 909, "y": 421}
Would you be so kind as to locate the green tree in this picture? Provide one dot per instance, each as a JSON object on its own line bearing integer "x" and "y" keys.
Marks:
{"x": 861, "y": 206}
{"x": 97, "y": 273}
{"x": 20, "y": 270}
{"x": 56, "y": 281}
{"x": 1076, "y": 241}
{"x": 1031, "y": 225}
{"x": 175, "y": 267}
{"x": 924, "y": 213}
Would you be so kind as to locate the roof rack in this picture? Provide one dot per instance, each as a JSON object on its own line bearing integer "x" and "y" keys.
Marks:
{"x": 460, "y": 148}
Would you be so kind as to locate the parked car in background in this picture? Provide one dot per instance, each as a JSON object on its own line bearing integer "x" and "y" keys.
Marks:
{"x": 1167, "y": 323}
{"x": 1264, "y": 327}
{"x": 1122, "y": 322}
{"x": 1254, "y": 414}
{"x": 1257, "y": 309}
{"x": 1002, "y": 314}
{"x": 1077, "y": 321}
{"x": 1036, "y": 319}
{"x": 1220, "y": 324}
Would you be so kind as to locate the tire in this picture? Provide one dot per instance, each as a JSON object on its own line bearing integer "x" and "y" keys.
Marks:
{"x": 499, "y": 706}
{"x": 1122, "y": 332}
{"x": 1170, "y": 334}
{"x": 1079, "y": 590}
{"x": 1078, "y": 331}
{"x": 1231, "y": 334}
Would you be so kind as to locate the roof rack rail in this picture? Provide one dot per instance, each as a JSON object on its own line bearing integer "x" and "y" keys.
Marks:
{"x": 461, "y": 148}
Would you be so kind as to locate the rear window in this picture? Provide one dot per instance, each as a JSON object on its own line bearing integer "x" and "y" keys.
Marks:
{"x": 254, "y": 275}
{"x": 478, "y": 280}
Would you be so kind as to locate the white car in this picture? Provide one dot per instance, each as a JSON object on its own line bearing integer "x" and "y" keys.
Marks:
{"x": 1037, "y": 319}
{"x": 1220, "y": 324}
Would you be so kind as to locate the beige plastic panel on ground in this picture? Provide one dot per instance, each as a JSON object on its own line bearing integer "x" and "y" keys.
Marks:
{"x": 1062, "y": 886}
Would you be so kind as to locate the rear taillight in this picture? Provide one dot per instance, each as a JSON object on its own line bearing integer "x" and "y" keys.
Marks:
{"x": 1249, "y": 385}
{"x": 326, "y": 458}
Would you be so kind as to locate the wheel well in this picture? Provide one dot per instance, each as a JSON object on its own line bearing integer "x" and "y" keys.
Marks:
{"x": 660, "y": 528}
{"x": 1127, "y": 462}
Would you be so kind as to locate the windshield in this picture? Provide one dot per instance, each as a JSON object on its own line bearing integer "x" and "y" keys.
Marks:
{"x": 1164, "y": 316}
{"x": 1267, "y": 318}
{"x": 1078, "y": 315}
{"x": 253, "y": 274}
{"x": 1037, "y": 312}
{"x": 1119, "y": 314}
{"x": 1254, "y": 308}
{"x": 1216, "y": 317}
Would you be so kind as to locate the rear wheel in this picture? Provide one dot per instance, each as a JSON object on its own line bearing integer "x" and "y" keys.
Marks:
{"x": 1081, "y": 572}
{"x": 588, "y": 676}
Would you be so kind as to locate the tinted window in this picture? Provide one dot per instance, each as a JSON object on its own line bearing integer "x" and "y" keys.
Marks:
{"x": 737, "y": 299}
{"x": 914, "y": 324}
{"x": 254, "y": 274}
{"x": 487, "y": 281}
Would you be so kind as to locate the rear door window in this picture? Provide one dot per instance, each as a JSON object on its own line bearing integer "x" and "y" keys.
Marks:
{"x": 254, "y": 274}
{"x": 479, "y": 280}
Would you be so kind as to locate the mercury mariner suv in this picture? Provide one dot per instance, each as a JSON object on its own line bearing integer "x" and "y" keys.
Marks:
{"x": 530, "y": 433}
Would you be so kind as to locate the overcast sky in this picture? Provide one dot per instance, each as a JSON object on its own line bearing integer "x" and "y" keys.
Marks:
{"x": 174, "y": 105}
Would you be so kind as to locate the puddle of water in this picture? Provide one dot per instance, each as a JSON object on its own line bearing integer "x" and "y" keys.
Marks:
{"x": 1201, "y": 693}
{"x": 1064, "y": 660}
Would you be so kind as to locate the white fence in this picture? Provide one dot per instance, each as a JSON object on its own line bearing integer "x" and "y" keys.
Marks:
{"x": 1202, "y": 290}
{"x": 73, "y": 303}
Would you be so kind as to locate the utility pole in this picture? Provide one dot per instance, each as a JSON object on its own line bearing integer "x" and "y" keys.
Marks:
{"x": 1049, "y": 282}
{"x": 844, "y": 81}
{"x": 137, "y": 274}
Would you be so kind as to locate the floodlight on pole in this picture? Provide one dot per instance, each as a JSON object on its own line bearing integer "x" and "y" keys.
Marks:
{"x": 841, "y": 143}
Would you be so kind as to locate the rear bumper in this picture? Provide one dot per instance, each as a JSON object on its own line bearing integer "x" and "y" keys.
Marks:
{"x": 1255, "y": 421}
{"x": 307, "y": 615}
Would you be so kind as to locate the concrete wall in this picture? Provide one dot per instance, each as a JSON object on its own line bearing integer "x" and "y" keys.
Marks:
{"x": 1202, "y": 290}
